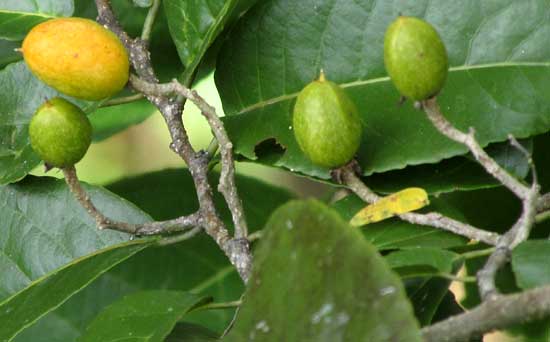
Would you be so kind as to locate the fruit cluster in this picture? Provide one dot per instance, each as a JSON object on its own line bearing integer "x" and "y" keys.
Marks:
{"x": 80, "y": 58}
{"x": 326, "y": 123}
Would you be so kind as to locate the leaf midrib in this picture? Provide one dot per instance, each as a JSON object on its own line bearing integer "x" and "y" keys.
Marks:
{"x": 359, "y": 83}
{"x": 29, "y": 14}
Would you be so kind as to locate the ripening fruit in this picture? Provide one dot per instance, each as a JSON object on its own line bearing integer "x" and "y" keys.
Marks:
{"x": 326, "y": 124}
{"x": 415, "y": 58}
{"x": 78, "y": 57}
{"x": 60, "y": 133}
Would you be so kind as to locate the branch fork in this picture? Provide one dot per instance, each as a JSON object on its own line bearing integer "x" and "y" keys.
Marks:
{"x": 497, "y": 311}
{"x": 169, "y": 99}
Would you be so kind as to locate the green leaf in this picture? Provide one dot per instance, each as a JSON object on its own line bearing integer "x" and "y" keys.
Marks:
{"x": 142, "y": 316}
{"x": 426, "y": 295}
{"x": 395, "y": 234}
{"x": 412, "y": 262}
{"x": 58, "y": 8}
{"x": 20, "y": 95}
{"x": 293, "y": 280}
{"x": 458, "y": 173}
{"x": 186, "y": 332}
{"x": 7, "y": 52}
{"x": 108, "y": 121}
{"x": 176, "y": 187}
{"x": 196, "y": 265}
{"x": 19, "y": 17}
{"x": 194, "y": 26}
{"x": 500, "y": 73}
{"x": 416, "y": 266}
{"x": 15, "y": 25}
{"x": 44, "y": 228}
{"x": 530, "y": 263}
{"x": 531, "y": 269}
{"x": 448, "y": 307}
{"x": 49, "y": 292}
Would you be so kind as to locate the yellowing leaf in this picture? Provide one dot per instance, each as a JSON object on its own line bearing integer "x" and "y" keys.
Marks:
{"x": 401, "y": 202}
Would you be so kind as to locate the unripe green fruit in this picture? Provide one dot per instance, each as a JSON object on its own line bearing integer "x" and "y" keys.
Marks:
{"x": 60, "y": 133}
{"x": 77, "y": 57}
{"x": 326, "y": 124}
{"x": 415, "y": 58}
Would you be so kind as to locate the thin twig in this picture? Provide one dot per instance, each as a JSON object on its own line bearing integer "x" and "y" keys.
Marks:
{"x": 179, "y": 224}
{"x": 433, "y": 219}
{"x": 150, "y": 20}
{"x": 543, "y": 216}
{"x": 528, "y": 195}
{"x": 433, "y": 112}
{"x": 492, "y": 315}
{"x": 257, "y": 235}
{"x": 543, "y": 204}
{"x": 476, "y": 254}
{"x": 170, "y": 240}
{"x": 122, "y": 100}
{"x": 453, "y": 277}
{"x": 225, "y": 305}
{"x": 227, "y": 184}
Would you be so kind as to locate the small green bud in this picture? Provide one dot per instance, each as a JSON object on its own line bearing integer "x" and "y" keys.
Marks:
{"x": 415, "y": 58}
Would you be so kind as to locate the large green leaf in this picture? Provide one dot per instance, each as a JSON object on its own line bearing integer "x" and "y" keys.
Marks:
{"x": 458, "y": 173}
{"x": 500, "y": 71}
{"x": 294, "y": 295}
{"x": 49, "y": 292}
{"x": 20, "y": 95}
{"x": 196, "y": 265}
{"x": 143, "y": 316}
{"x": 195, "y": 24}
{"x": 395, "y": 234}
{"x": 44, "y": 228}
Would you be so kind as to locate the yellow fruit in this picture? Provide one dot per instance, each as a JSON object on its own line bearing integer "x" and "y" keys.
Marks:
{"x": 77, "y": 57}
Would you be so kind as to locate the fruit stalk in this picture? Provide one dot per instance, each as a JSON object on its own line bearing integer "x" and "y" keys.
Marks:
{"x": 433, "y": 219}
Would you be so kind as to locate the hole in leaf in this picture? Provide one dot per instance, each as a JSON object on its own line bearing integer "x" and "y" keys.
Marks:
{"x": 269, "y": 150}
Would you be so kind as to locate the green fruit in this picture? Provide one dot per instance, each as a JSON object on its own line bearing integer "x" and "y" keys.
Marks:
{"x": 415, "y": 58}
{"x": 60, "y": 133}
{"x": 326, "y": 124}
{"x": 77, "y": 57}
